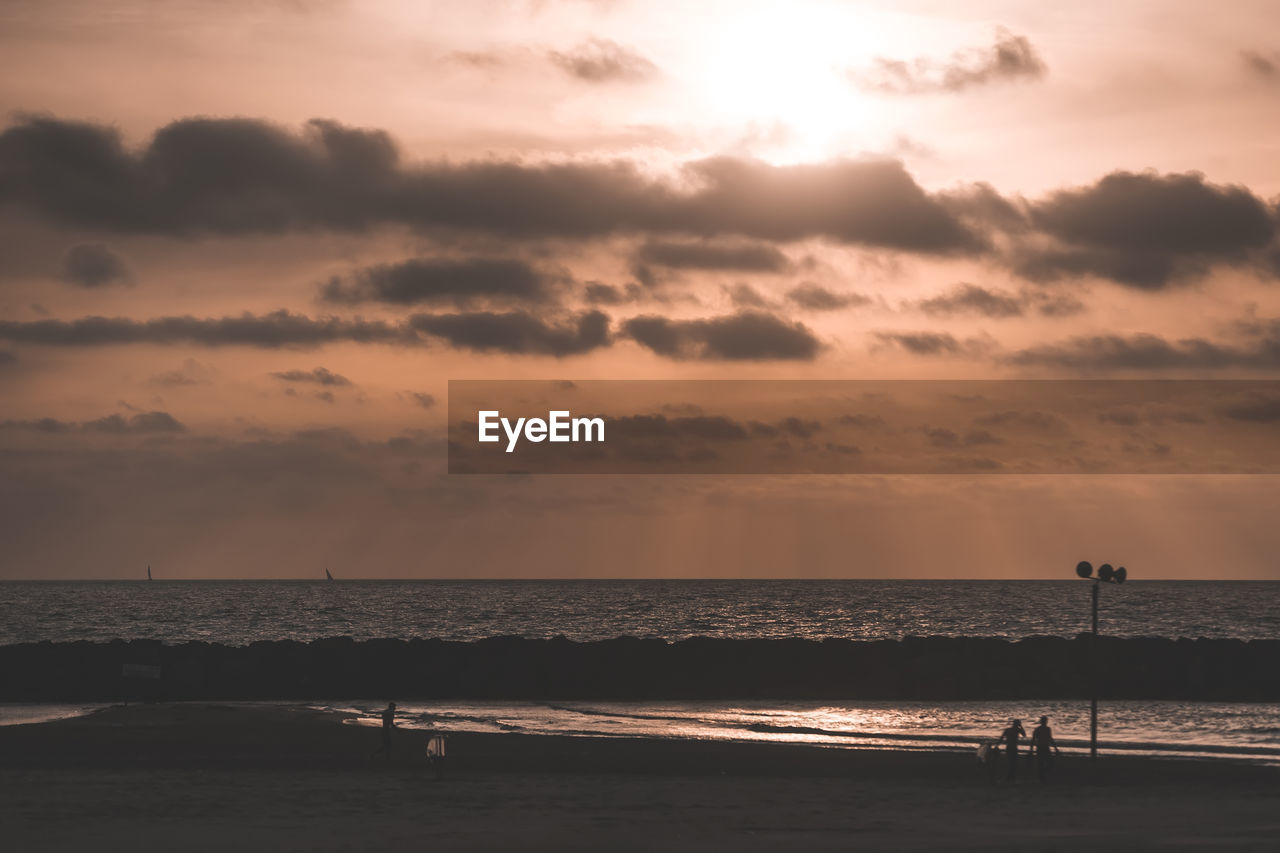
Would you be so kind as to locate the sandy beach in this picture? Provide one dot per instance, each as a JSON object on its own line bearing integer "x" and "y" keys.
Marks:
{"x": 215, "y": 777}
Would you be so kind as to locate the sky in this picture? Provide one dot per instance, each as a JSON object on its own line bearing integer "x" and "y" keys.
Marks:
{"x": 245, "y": 246}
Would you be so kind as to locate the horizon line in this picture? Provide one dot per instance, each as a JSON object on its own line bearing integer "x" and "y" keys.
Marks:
{"x": 131, "y": 579}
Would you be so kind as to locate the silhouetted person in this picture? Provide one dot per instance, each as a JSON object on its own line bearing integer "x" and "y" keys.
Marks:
{"x": 388, "y": 723}
{"x": 1009, "y": 739}
{"x": 1041, "y": 744}
{"x": 989, "y": 756}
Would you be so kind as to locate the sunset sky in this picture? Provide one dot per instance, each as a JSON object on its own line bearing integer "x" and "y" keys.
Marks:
{"x": 244, "y": 246}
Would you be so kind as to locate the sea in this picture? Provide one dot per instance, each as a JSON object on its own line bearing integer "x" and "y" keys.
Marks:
{"x": 241, "y": 612}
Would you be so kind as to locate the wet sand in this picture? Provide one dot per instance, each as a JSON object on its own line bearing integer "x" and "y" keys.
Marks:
{"x": 219, "y": 777}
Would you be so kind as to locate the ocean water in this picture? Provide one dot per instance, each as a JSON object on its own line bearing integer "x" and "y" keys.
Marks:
{"x": 240, "y": 612}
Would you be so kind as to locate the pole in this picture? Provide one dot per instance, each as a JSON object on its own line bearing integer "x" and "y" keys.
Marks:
{"x": 1093, "y": 681}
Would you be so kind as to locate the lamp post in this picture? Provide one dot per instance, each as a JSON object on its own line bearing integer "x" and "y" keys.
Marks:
{"x": 1106, "y": 574}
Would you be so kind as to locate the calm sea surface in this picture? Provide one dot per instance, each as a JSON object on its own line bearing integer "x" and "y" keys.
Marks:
{"x": 239, "y": 612}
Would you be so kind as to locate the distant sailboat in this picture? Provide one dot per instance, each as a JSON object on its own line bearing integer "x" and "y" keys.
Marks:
{"x": 148, "y": 572}
{"x": 327, "y": 576}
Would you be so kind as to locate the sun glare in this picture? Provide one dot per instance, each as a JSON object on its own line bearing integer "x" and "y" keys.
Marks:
{"x": 781, "y": 70}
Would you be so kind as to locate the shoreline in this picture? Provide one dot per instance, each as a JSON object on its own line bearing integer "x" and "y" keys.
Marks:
{"x": 256, "y": 735}
{"x": 208, "y": 776}
{"x": 454, "y": 722}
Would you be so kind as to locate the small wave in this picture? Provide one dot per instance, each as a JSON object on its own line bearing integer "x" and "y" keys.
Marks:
{"x": 447, "y": 717}
{"x": 766, "y": 728}
{"x": 594, "y": 712}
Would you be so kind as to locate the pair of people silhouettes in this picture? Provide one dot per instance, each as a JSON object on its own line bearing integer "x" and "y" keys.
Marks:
{"x": 1043, "y": 748}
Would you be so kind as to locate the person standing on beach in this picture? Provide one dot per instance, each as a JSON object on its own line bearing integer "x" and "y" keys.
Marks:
{"x": 388, "y": 723}
{"x": 1041, "y": 744}
{"x": 1009, "y": 737}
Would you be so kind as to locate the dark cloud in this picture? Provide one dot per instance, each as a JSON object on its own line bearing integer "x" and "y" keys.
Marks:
{"x": 7, "y": 357}
{"x": 602, "y": 61}
{"x": 192, "y": 372}
{"x": 49, "y": 425}
{"x": 861, "y": 421}
{"x": 421, "y": 398}
{"x": 799, "y": 427}
{"x": 516, "y": 332}
{"x": 843, "y": 449}
{"x": 1146, "y": 230}
{"x": 173, "y": 379}
{"x": 93, "y": 265}
{"x": 813, "y": 297}
{"x": 597, "y": 293}
{"x": 1057, "y": 304}
{"x": 734, "y": 257}
{"x": 240, "y": 176}
{"x": 975, "y": 437}
{"x": 276, "y": 329}
{"x": 743, "y": 295}
{"x": 970, "y": 464}
{"x": 1031, "y": 420}
{"x": 1155, "y": 448}
{"x": 1264, "y": 65}
{"x": 922, "y": 343}
{"x": 932, "y": 343}
{"x": 862, "y": 201}
{"x": 222, "y": 175}
{"x": 479, "y": 59}
{"x": 1177, "y": 417}
{"x": 1011, "y": 57}
{"x": 1261, "y": 410}
{"x": 319, "y": 376}
{"x": 745, "y": 336}
{"x": 139, "y": 423}
{"x": 1120, "y": 417}
{"x": 1131, "y": 417}
{"x": 1152, "y": 352}
{"x": 941, "y": 437}
{"x": 438, "y": 281}
{"x": 967, "y": 298}
{"x": 1145, "y": 270}
{"x": 748, "y": 335}
{"x": 705, "y": 427}
{"x": 143, "y": 422}
{"x": 982, "y": 205}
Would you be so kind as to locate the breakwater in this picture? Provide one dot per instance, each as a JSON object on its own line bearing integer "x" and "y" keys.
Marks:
{"x": 932, "y": 668}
